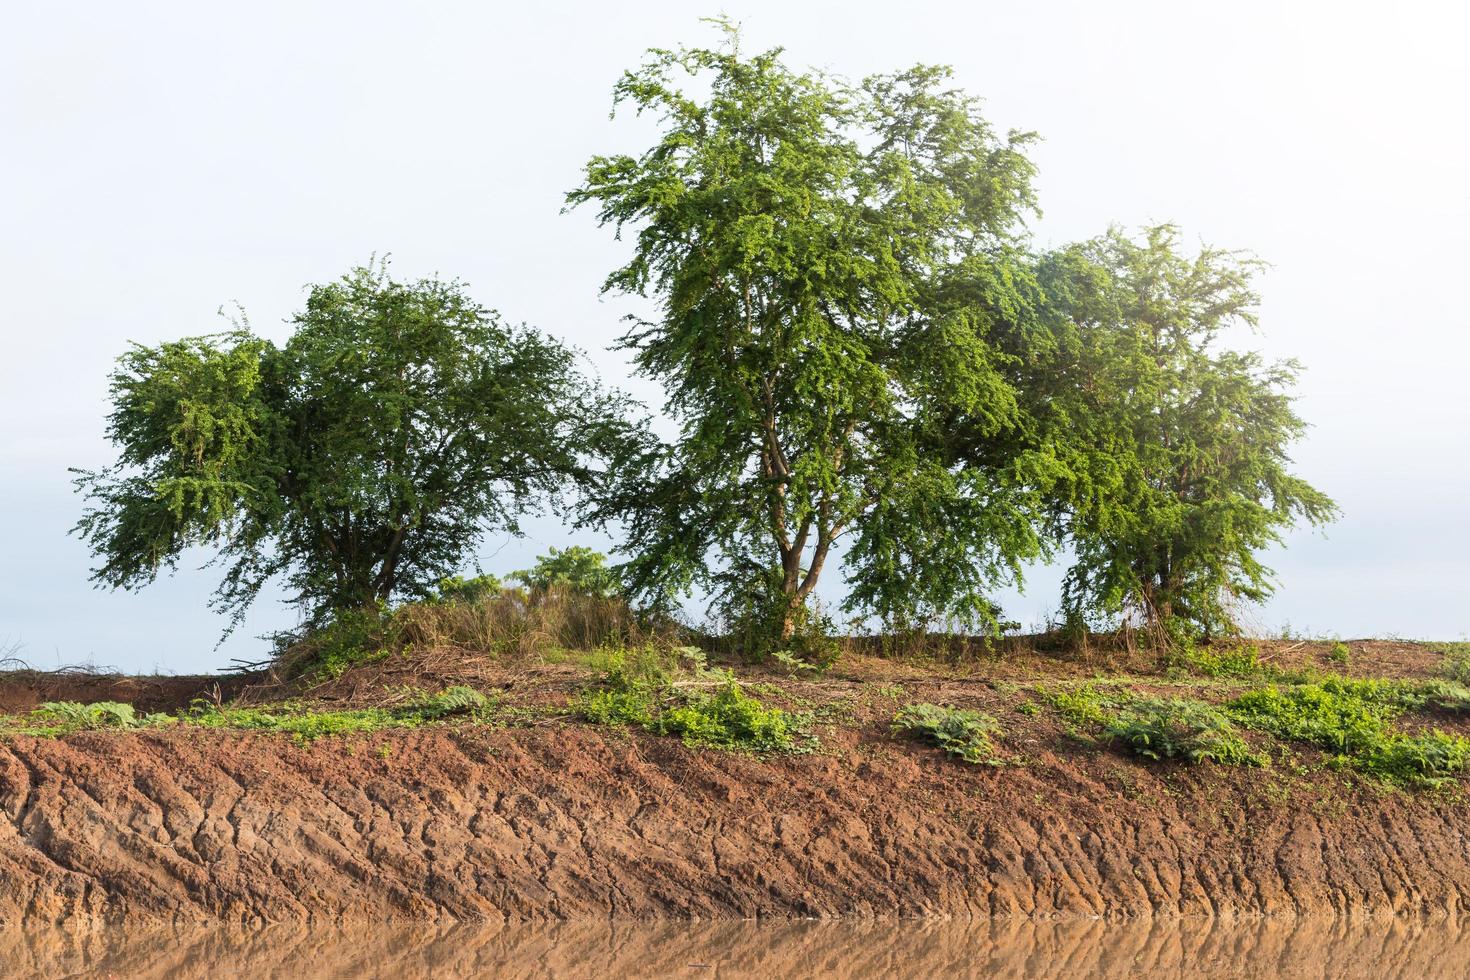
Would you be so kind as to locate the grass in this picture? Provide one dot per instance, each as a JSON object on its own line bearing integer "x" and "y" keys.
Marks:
{"x": 299, "y": 721}
{"x": 474, "y": 614}
{"x": 962, "y": 733}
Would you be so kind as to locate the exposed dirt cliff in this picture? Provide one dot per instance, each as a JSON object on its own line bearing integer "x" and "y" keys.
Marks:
{"x": 572, "y": 821}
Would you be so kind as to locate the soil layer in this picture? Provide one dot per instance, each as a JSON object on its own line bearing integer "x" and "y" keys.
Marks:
{"x": 571, "y": 821}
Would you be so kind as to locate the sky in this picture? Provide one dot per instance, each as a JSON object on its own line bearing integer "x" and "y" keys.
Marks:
{"x": 161, "y": 160}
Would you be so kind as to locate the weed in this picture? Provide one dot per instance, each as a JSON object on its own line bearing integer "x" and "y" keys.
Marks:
{"x": 1332, "y": 716}
{"x": 457, "y": 700}
{"x": 1445, "y": 695}
{"x": 729, "y": 719}
{"x": 1340, "y": 654}
{"x": 1353, "y": 719}
{"x": 306, "y": 725}
{"x": 1178, "y": 728}
{"x": 1231, "y": 662}
{"x": 794, "y": 664}
{"x": 1455, "y": 662}
{"x": 1086, "y": 705}
{"x": 639, "y": 688}
{"x": 70, "y": 716}
{"x": 1428, "y": 759}
{"x": 959, "y": 732}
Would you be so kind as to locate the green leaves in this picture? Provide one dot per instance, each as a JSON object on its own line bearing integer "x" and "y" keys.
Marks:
{"x": 805, "y": 239}
{"x": 360, "y": 461}
{"x": 1176, "y": 470}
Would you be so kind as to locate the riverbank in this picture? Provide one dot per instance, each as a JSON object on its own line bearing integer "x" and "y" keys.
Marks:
{"x": 528, "y": 811}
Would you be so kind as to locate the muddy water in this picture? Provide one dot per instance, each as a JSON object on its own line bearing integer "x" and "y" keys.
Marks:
{"x": 1325, "y": 948}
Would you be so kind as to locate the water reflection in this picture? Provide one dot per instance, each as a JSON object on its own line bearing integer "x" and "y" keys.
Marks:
{"x": 1325, "y": 948}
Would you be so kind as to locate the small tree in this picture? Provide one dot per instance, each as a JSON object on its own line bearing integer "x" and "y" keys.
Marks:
{"x": 358, "y": 462}
{"x": 576, "y": 569}
{"x": 1176, "y": 465}
{"x": 831, "y": 263}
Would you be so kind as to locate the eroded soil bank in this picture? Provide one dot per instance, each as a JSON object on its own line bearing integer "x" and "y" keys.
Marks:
{"x": 571, "y": 821}
{"x": 1306, "y": 948}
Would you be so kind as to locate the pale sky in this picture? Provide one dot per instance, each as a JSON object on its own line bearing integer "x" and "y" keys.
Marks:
{"x": 162, "y": 159}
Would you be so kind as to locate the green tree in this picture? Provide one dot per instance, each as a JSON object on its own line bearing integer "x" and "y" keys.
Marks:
{"x": 1175, "y": 451}
{"x": 358, "y": 462}
{"x": 577, "y": 569}
{"x": 831, "y": 263}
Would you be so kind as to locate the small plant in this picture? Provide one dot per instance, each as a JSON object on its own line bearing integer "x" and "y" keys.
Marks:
{"x": 639, "y": 689}
{"x": 1429, "y": 759}
{"x": 793, "y": 664}
{"x": 1230, "y": 662}
{"x": 1340, "y": 654}
{"x": 1341, "y": 718}
{"x": 960, "y": 732}
{"x": 1455, "y": 662}
{"x": 457, "y": 700}
{"x": 729, "y": 719}
{"x": 74, "y": 716}
{"x": 1085, "y": 705}
{"x": 468, "y": 590}
{"x": 1353, "y": 719}
{"x": 1178, "y": 728}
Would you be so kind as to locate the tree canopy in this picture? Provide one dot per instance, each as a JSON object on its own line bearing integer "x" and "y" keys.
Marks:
{"x": 1175, "y": 451}
{"x": 862, "y": 353}
{"x": 358, "y": 462}
{"x": 833, "y": 266}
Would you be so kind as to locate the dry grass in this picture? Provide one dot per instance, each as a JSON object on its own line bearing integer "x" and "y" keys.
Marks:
{"x": 516, "y": 623}
{"x": 437, "y": 638}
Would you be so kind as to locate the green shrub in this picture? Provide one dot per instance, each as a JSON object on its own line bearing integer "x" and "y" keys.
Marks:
{"x": 639, "y": 688}
{"x": 1341, "y": 718}
{"x": 575, "y": 569}
{"x": 1455, "y": 662}
{"x": 967, "y": 734}
{"x": 1085, "y": 705}
{"x": 1340, "y": 654}
{"x": 729, "y": 719}
{"x": 1178, "y": 728}
{"x": 1229, "y": 662}
{"x": 1428, "y": 759}
{"x": 1353, "y": 719}
{"x": 619, "y": 707}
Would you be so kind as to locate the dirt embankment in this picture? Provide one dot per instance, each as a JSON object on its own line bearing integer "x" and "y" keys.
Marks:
{"x": 573, "y": 822}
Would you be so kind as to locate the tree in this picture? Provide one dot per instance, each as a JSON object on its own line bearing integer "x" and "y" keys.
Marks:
{"x": 1175, "y": 452}
{"x": 832, "y": 264}
{"x": 359, "y": 462}
{"x": 576, "y": 569}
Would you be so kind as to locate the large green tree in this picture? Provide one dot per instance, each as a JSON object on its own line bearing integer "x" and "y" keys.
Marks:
{"x": 1175, "y": 450}
{"x": 358, "y": 462}
{"x": 834, "y": 268}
